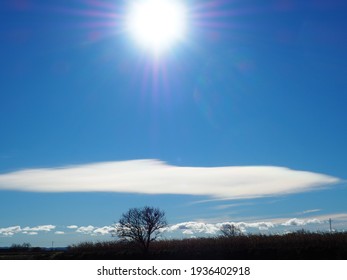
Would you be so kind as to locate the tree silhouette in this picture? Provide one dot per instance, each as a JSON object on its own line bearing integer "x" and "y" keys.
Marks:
{"x": 230, "y": 230}
{"x": 141, "y": 225}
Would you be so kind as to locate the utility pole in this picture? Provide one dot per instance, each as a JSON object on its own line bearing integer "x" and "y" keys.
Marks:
{"x": 52, "y": 245}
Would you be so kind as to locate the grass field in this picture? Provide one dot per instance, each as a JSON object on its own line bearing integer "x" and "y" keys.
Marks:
{"x": 294, "y": 246}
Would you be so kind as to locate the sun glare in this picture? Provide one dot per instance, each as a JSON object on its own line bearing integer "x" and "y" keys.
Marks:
{"x": 156, "y": 24}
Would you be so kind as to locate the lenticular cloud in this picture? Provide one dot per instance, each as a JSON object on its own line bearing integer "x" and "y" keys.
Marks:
{"x": 157, "y": 177}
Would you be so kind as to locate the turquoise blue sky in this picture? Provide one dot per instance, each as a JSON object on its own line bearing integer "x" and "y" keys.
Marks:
{"x": 242, "y": 121}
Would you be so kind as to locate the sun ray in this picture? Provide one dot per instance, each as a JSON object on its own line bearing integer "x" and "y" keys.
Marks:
{"x": 167, "y": 29}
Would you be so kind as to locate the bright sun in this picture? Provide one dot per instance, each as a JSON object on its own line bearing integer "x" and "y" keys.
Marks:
{"x": 156, "y": 24}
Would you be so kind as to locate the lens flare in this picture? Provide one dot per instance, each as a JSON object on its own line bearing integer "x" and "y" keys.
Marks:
{"x": 157, "y": 24}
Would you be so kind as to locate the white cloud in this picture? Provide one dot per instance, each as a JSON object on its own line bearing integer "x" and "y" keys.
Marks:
{"x": 190, "y": 228}
{"x": 9, "y": 231}
{"x": 72, "y": 227}
{"x": 86, "y": 230}
{"x": 334, "y": 216}
{"x": 258, "y": 225}
{"x": 40, "y": 228}
{"x": 294, "y": 222}
{"x": 311, "y": 211}
{"x": 30, "y": 232}
{"x": 92, "y": 230}
{"x": 243, "y": 226}
{"x": 104, "y": 230}
{"x": 194, "y": 227}
{"x": 157, "y": 177}
{"x": 313, "y": 221}
{"x": 300, "y": 222}
{"x": 226, "y": 206}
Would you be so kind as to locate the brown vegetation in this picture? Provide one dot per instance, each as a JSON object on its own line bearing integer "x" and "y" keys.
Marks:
{"x": 296, "y": 246}
{"x": 300, "y": 245}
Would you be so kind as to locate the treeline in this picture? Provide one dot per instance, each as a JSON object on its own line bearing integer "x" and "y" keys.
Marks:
{"x": 294, "y": 246}
{"x": 24, "y": 247}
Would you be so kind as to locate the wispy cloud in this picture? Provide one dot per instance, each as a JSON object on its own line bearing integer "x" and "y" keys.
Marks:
{"x": 310, "y": 211}
{"x": 226, "y": 206}
{"x": 157, "y": 177}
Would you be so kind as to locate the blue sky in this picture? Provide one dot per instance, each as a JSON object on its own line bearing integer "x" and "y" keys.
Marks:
{"x": 253, "y": 84}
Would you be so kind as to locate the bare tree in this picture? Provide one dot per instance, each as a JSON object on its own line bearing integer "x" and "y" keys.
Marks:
{"x": 141, "y": 225}
{"x": 20, "y": 247}
{"x": 230, "y": 230}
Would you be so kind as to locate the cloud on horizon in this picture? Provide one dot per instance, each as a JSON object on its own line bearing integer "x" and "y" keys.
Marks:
{"x": 10, "y": 231}
{"x": 72, "y": 227}
{"x": 300, "y": 222}
{"x": 150, "y": 176}
{"x": 190, "y": 228}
